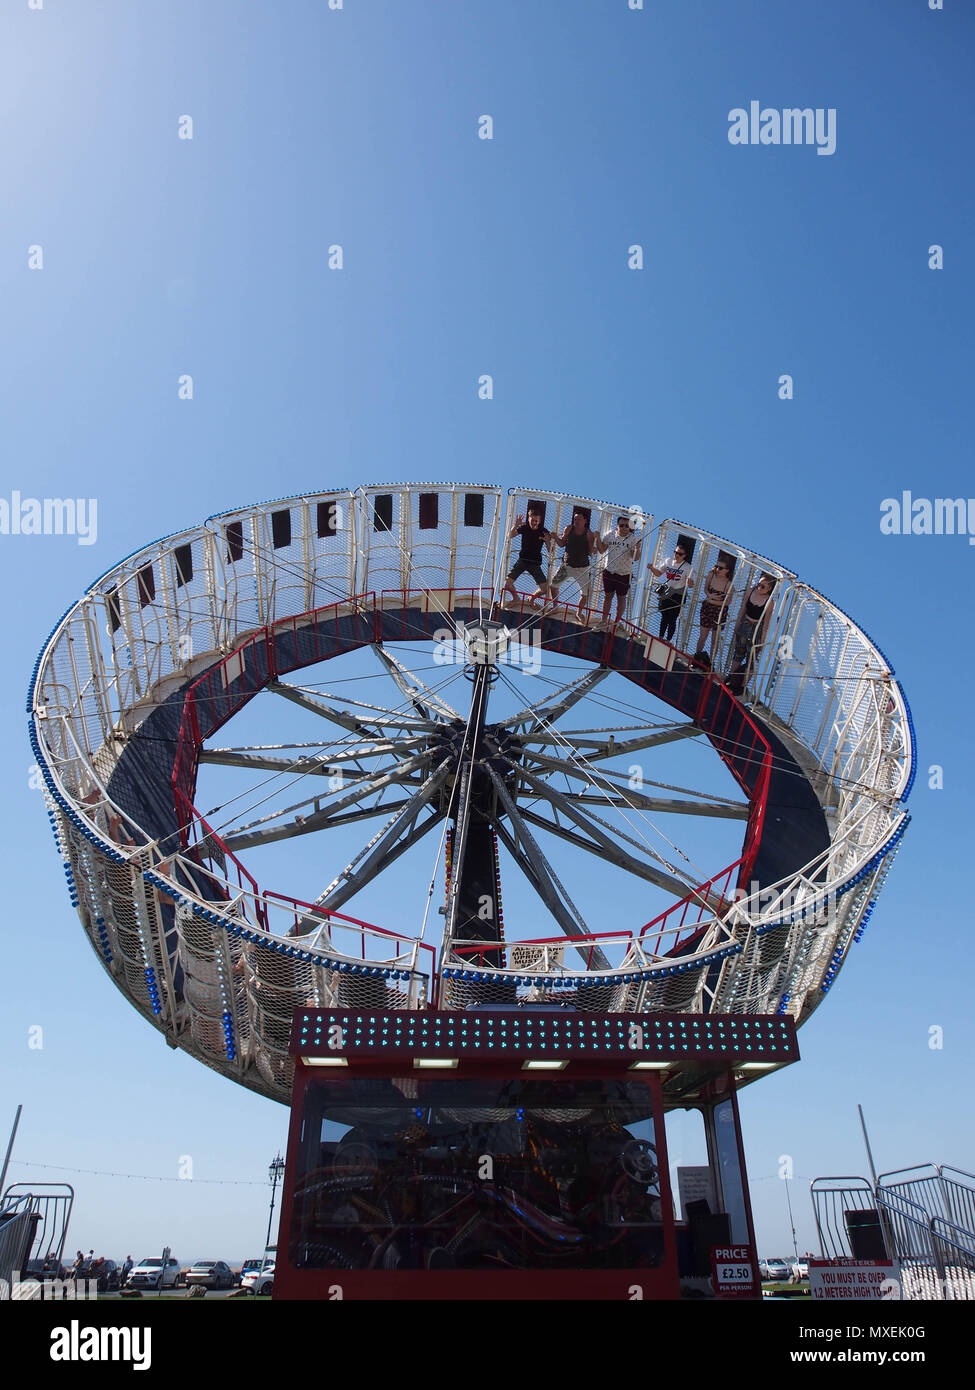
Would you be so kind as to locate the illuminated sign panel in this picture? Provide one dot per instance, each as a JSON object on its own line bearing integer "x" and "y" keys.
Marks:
{"x": 535, "y": 1036}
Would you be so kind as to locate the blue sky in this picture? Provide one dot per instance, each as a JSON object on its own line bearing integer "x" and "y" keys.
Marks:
{"x": 208, "y": 257}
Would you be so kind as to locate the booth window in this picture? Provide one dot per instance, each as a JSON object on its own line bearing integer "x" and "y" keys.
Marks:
{"x": 414, "y": 1173}
{"x": 729, "y": 1167}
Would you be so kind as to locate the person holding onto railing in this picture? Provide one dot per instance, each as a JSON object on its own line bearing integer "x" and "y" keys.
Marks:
{"x": 622, "y": 550}
{"x": 579, "y": 544}
{"x": 714, "y": 609}
{"x": 750, "y": 630}
{"x": 107, "y": 818}
{"x": 677, "y": 579}
{"x": 534, "y": 538}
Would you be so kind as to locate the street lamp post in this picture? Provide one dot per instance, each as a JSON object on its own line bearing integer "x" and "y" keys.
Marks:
{"x": 274, "y": 1173}
{"x": 792, "y": 1223}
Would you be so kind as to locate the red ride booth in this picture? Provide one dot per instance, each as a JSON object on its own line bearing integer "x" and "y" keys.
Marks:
{"x": 519, "y": 1153}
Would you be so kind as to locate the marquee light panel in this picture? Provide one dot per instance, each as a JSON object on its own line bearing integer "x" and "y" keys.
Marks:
{"x": 563, "y": 1036}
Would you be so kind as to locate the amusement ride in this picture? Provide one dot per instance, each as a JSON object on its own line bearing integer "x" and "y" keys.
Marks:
{"x": 440, "y": 740}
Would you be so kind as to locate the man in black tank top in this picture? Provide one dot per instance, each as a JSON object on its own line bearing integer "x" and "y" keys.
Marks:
{"x": 533, "y": 538}
{"x": 578, "y": 542}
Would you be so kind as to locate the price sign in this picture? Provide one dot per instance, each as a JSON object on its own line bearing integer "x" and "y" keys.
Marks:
{"x": 732, "y": 1270}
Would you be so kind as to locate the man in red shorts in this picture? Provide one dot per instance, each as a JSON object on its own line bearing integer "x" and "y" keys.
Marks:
{"x": 622, "y": 549}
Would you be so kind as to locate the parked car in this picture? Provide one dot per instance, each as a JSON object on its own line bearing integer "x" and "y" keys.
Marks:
{"x": 211, "y": 1274}
{"x": 260, "y": 1280}
{"x": 800, "y": 1267}
{"x": 51, "y": 1268}
{"x": 150, "y": 1274}
{"x": 776, "y": 1271}
{"x": 106, "y": 1272}
{"x": 246, "y": 1268}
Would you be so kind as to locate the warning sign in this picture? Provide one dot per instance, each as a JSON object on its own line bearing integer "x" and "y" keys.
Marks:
{"x": 847, "y": 1280}
{"x": 733, "y": 1271}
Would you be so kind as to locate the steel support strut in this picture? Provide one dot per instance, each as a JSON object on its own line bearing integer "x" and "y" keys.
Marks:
{"x": 464, "y": 792}
{"x": 530, "y": 859}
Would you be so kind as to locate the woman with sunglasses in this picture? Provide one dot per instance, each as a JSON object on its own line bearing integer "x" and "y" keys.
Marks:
{"x": 714, "y": 610}
{"x": 750, "y": 630}
{"x": 677, "y": 579}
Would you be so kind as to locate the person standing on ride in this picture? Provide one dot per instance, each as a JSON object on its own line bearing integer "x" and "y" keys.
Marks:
{"x": 753, "y": 621}
{"x": 578, "y": 542}
{"x": 622, "y": 549}
{"x": 714, "y": 609}
{"x": 678, "y": 577}
{"x": 533, "y": 538}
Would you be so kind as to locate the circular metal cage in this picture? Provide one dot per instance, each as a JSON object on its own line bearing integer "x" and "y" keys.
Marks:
{"x": 169, "y": 644}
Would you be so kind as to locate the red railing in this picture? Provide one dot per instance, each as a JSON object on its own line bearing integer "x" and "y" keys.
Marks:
{"x": 197, "y": 831}
{"x": 575, "y": 943}
{"x": 302, "y": 910}
{"x": 687, "y": 906}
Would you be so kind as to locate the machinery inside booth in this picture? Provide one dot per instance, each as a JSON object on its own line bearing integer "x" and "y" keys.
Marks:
{"x": 517, "y": 1153}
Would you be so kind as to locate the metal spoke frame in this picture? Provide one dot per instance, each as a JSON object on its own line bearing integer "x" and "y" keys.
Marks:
{"x": 416, "y": 691}
{"x": 413, "y": 738}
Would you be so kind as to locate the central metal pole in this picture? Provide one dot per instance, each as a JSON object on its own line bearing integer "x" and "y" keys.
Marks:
{"x": 465, "y": 775}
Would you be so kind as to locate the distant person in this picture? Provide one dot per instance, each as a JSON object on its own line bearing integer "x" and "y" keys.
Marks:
{"x": 622, "y": 549}
{"x": 714, "y": 610}
{"x": 534, "y": 538}
{"x": 677, "y": 579}
{"x": 127, "y": 1265}
{"x": 579, "y": 544}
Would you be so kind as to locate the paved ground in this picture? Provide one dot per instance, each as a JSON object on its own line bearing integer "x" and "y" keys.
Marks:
{"x": 171, "y": 1294}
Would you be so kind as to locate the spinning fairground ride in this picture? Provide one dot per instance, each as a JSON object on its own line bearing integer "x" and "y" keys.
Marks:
{"x": 532, "y": 1098}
